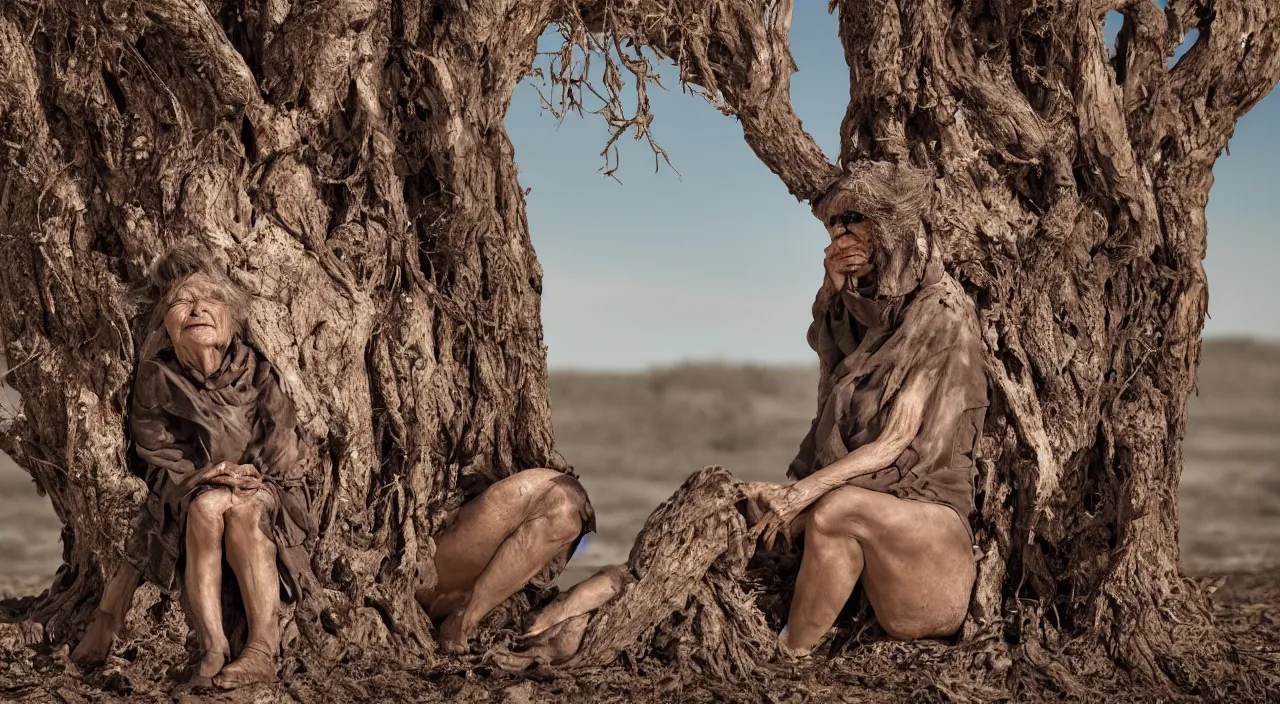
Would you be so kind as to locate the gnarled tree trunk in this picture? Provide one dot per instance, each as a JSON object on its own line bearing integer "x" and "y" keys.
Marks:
{"x": 1072, "y": 193}
{"x": 350, "y": 159}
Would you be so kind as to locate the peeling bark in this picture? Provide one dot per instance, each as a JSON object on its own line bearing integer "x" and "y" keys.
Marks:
{"x": 349, "y": 158}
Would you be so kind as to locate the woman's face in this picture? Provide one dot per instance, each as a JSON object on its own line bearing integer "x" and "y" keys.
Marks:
{"x": 856, "y": 226}
{"x": 197, "y": 318}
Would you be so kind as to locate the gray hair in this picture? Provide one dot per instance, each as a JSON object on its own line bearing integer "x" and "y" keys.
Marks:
{"x": 898, "y": 200}
{"x": 171, "y": 270}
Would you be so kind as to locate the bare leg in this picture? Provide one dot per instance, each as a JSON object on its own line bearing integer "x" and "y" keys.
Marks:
{"x": 914, "y": 558}
{"x": 546, "y": 534}
{"x": 252, "y": 556}
{"x": 497, "y": 543}
{"x": 117, "y": 599}
{"x": 204, "y": 580}
{"x": 829, "y": 571}
{"x": 585, "y": 596}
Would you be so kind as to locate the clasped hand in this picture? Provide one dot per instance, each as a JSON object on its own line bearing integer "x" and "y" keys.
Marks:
{"x": 243, "y": 478}
{"x": 774, "y": 508}
{"x": 846, "y": 256}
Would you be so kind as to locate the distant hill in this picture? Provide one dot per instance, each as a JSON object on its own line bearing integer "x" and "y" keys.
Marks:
{"x": 634, "y": 437}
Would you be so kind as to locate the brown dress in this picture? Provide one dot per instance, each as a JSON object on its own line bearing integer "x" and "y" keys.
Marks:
{"x": 180, "y": 423}
{"x": 872, "y": 348}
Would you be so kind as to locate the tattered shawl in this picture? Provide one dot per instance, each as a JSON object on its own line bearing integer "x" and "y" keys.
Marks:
{"x": 180, "y": 423}
{"x": 871, "y": 348}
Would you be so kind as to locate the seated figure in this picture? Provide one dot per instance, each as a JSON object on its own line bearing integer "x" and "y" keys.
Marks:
{"x": 883, "y": 488}
{"x": 219, "y": 447}
{"x": 219, "y": 443}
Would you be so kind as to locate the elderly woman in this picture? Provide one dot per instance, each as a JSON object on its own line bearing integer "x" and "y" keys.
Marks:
{"x": 883, "y": 489}
{"x": 219, "y": 445}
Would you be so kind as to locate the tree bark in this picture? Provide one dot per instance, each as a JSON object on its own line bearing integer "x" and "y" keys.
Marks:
{"x": 1073, "y": 189}
{"x": 349, "y": 158}
{"x": 1074, "y": 194}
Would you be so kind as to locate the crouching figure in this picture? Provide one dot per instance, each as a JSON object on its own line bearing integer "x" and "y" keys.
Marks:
{"x": 522, "y": 529}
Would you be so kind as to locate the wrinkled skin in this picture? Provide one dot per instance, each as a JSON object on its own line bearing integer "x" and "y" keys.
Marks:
{"x": 849, "y": 254}
{"x": 199, "y": 325}
{"x": 914, "y": 558}
{"x": 491, "y": 548}
{"x": 227, "y": 513}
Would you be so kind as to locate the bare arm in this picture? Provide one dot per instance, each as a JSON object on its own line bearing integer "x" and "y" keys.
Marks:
{"x": 779, "y": 506}
{"x": 901, "y": 427}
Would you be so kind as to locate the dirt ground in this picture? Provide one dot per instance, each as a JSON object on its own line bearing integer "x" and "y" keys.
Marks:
{"x": 635, "y": 437}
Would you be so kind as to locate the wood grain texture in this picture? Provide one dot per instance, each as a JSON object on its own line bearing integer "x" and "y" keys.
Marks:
{"x": 348, "y": 157}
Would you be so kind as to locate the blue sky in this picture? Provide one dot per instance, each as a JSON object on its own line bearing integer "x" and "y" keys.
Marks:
{"x": 720, "y": 262}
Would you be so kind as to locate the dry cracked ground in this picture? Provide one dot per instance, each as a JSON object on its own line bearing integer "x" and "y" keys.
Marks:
{"x": 635, "y": 437}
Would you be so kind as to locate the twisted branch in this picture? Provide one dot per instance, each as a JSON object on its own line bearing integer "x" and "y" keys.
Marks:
{"x": 735, "y": 53}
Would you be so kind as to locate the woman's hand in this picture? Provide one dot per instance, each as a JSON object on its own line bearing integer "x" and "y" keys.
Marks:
{"x": 248, "y": 479}
{"x": 775, "y": 507}
{"x": 759, "y": 498}
{"x": 237, "y": 477}
{"x": 845, "y": 255}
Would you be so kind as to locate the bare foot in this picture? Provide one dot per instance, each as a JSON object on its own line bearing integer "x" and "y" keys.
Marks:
{"x": 453, "y": 636}
{"x": 208, "y": 667}
{"x": 96, "y": 643}
{"x": 553, "y": 646}
{"x": 790, "y": 653}
{"x": 254, "y": 665}
{"x": 516, "y": 662}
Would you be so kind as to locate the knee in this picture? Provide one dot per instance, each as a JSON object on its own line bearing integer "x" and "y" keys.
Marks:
{"x": 833, "y": 515}
{"x": 562, "y": 508}
{"x": 207, "y": 508}
{"x": 242, "y": 511}
{"x": 245, "y": 518}
{"x": 850, "y": 513}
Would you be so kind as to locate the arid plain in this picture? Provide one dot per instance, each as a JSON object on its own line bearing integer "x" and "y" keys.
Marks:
{"x": 635, "y": 437}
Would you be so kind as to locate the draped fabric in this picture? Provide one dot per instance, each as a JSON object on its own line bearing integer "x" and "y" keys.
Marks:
{"x": 871, "y": 348}
{"x": 181, "y": 423}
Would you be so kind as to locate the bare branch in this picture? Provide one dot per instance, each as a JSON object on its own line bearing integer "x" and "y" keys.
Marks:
{"x": 1189, "y": 112}
{"x": 1234, "y": 63}
{"x": 1104, "y": 139}
{"x": 1142, "y": 52}
{"x": 570, "y": 73}
{"x": 734, "y": 52}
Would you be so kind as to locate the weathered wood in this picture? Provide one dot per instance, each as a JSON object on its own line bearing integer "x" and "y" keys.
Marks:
{"x": 349, "y": 158}
{"x": 1072, "y": 192}
{"x": 350, "y": 161}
